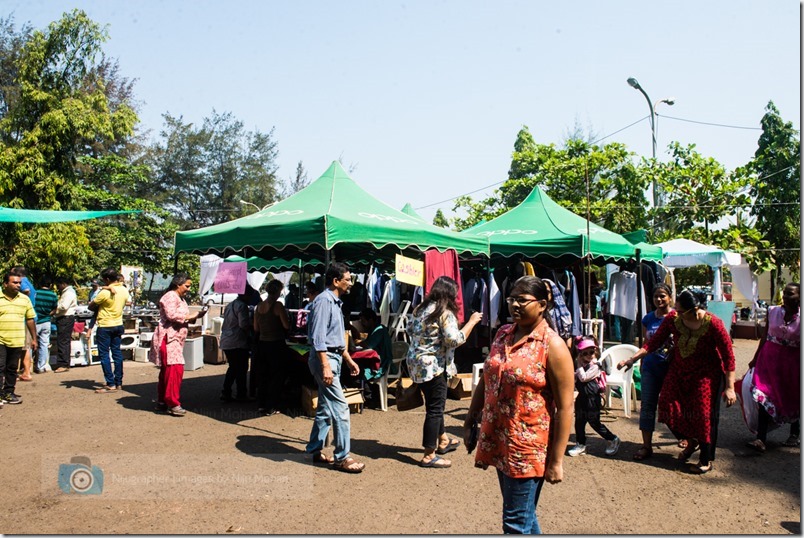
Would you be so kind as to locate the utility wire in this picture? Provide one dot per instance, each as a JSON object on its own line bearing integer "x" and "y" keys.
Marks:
{"x": 712, "y": 124}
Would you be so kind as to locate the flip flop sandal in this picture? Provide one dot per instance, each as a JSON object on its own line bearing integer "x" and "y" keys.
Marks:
{"x": 318, "y": 457}
{"x": 452, "y": 445}
{"x": 699, "y": 468}
{"x": 349, "y": 465}
{"x": 436, "y": 463}
{"x": 757, "y": 445}
{"x": 643, "y": 454}
{"x": 685, "y": 454}
{"x": 682, "y": 443}
{"x": 105, "y": 390}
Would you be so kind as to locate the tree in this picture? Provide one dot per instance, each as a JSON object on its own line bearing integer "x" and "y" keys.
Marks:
{"x": 776, "y": 187}
{"x": 67, "y": 142}
{"x": 206, "y": 171}
{"x": 615, "y": 188}
{"x": 696, "y": 191}
{"x": 440, "y": 220}
{"x": 298, "y": 182}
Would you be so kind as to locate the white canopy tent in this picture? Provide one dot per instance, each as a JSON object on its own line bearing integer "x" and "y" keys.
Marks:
{"x": 687, "y": 253}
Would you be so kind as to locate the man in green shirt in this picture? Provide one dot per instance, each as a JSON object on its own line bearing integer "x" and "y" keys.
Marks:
{"x": 16, "y": 315}
{"x": 46, "y": 300}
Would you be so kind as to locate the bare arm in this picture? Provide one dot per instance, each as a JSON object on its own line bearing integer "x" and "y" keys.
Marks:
{"x": 32, "y": 329}
{"x": 279, "y": 310}
{"x": 560, "y": 378}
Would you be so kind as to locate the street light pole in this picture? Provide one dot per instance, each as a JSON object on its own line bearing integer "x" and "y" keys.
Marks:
{"x": 258, "y": 208}
{"x": 249, "y": 203}
{"x": 652, "y": 106}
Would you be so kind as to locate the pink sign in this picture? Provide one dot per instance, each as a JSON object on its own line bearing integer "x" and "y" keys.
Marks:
{"x": 231, "y": 277}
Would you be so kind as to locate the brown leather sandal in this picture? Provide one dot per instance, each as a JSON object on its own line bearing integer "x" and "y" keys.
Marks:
{"x": 349, "y": 465}
{"x": 319, "y": 457}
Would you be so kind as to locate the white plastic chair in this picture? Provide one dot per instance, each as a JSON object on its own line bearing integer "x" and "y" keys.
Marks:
{"x": 593, "y": 327}
{"x": 399, "y": 351}
{"x": 400, "y": 322}
{"x": 620, "y": 378}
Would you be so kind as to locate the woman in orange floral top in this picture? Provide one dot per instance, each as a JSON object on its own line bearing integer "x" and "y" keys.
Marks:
{"x": 527, "y": 385}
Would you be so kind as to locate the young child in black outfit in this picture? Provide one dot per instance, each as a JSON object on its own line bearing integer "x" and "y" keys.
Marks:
{"x": 589, "y": 382}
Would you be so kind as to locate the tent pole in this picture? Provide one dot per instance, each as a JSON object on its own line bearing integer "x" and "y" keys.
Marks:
{"x": 640, "y": 295}
{"x": 588, "y": 245}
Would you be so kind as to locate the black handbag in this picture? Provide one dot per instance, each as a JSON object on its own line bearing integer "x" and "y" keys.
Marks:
{"x": 409, "y": 398}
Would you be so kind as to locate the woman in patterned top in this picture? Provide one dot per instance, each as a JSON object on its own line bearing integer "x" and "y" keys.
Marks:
{"x": 524, "y": 403}
{"x": 167, "y": 345}
{"x": 776, "y": 384}
{"x": 434, "y": 335}
{"x": 702, "y": 365}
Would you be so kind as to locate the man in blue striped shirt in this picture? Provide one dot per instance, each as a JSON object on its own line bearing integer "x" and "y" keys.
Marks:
{"x": 327, "y": 336}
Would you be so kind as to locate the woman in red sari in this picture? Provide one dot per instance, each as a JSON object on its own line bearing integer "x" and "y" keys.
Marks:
{"x": 167, "y": 346}
{"x": 701, "y": 370}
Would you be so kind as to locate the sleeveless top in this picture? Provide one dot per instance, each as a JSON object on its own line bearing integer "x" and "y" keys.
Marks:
{"x": 271, "y": 329}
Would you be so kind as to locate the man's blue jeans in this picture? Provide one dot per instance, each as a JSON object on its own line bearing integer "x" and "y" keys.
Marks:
{"x": 653, "y": 370}
{"x": 332, "y": 408}
{"x": 520, "y": 497}
{"x": 108, "y": 339}
{"x": 43, "y": 341}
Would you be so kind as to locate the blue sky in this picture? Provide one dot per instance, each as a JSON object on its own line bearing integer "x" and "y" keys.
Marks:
{"x": 425, "y": 98}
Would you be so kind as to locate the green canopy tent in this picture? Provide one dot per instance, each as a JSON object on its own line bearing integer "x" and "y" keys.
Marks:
{"x": 39, "y": 216}
{"x": 255, "y": 263}
{"x": 540, "y": 228}
{"x": 408, "y": 210}
{"x": 331, "y": 217}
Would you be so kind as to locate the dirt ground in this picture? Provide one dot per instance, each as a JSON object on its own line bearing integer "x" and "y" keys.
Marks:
{"x": 223, "y": 469}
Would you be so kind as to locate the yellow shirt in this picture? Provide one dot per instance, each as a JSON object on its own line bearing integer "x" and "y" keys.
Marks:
{"x": 13, "y": 315}
{"x": 110, "y": 313}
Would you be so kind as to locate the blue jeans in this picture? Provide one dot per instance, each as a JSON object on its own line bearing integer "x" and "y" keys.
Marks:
{"x": 653, "y": 370}
{"x": 43, "y": 340}
{"x": 332, "y": 408}
{"x": 520, "y": 497}
{"x": 108, "y": 339}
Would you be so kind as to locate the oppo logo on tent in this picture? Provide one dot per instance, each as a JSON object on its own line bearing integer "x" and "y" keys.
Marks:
{"x": 282, "y": 213}
{"x": 387, "y": 218}
{"x": 508, "y": 232}
{"x": 593, "y": 230}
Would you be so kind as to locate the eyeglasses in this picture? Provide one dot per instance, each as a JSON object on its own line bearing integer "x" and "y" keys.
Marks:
{"x": 521, "y": 301}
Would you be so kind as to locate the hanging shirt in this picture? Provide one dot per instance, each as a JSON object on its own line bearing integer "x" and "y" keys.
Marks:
{"x": 623, "y": 295}
{"x": 438, "y": 264}
{"x": 495, "y": 298}
{"x": 560, "y": 314}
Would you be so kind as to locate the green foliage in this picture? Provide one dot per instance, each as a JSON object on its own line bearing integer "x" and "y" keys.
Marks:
{"x": 748, "y": 242}
{"x": 67, "y": 142}
{"x": 440, "y": 220}
{"x": 776, "y": 188}
{"x": 615, "y": 188}
{"x": 696, "y": 190}
{"x": 205, "y": 172}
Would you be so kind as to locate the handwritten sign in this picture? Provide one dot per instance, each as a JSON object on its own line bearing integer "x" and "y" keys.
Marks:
{"x": 231, "y": 277}
{"x": 409, "y": 271}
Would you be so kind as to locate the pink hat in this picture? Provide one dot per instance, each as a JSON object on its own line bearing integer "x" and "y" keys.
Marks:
{"x": 586, "y": 343}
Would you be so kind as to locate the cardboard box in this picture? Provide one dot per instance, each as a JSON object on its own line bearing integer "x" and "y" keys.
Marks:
{"x": 464, "y": 389}
{"x": 213, "y": 354}
{"x": 309, "y": 400}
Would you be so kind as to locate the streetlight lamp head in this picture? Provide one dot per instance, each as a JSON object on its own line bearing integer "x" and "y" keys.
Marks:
{"x": 670, "y": 101}
{"x": 633, "y": 82}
